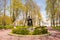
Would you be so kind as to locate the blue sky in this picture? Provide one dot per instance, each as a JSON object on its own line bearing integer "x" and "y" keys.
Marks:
{"x": 42, "y": 4}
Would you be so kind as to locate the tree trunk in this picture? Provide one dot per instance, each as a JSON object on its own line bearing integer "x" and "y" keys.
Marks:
{"x": 4, "y": 13}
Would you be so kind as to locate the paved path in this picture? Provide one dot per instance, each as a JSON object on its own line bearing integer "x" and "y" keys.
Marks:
{"x": 55, "y": 35}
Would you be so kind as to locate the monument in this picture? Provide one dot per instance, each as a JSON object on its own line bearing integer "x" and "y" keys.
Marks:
{"x": 29, "y": 21}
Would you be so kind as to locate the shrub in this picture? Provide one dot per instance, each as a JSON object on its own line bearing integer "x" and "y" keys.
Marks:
{"x": 1, "y": 27}
{"x": 16, "y": 31}
{"x": 56, "y": 28}
{"x": 22, "y": 31}
{"x": 40, "y": 30}
{"x": 44, "y": 31}
{"x": 8, "y": 27}
{"x": 37, "y": 32}
{"x": 21, "y": 26}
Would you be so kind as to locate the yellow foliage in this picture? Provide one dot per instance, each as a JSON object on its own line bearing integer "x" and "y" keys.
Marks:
{"x": 7, "y": 19}
{"x": 0, "y": 19}
{"x": 17, "y": 4}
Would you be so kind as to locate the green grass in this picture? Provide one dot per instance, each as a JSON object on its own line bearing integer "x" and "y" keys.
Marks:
{"x": 6, "y": 27}
{"x": 56, "y": 28}
{"x": 2, "y": 27}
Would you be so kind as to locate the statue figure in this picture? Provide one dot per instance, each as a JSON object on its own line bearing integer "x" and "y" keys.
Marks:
{"x": 29, "y": 21}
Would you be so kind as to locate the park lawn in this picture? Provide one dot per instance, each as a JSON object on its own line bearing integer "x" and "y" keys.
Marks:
{"x": 56, "y": 28}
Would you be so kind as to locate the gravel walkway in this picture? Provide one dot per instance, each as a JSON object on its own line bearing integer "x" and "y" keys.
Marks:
{"x": 55, "y": 35}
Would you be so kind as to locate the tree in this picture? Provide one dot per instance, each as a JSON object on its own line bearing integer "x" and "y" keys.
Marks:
{"x": 53, "y": 11}
{"x": 4, "y": 13}
{"x": 16, "y": 6}
{"x": 33, "y": 9}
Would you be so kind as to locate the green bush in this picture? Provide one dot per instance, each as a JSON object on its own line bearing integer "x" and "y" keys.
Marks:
{"x": 8, "y": 27}
{"x": 37, "y": 32}
{"x": 16, "y": 31}
{"x": 22, "y": 31}
{"x": 21, "y": 26}
{"x": 56, "y": 27}
{"x": 40, "y": 30}
{"x": 44, "y": 31}
{"x": 2, "y": 27}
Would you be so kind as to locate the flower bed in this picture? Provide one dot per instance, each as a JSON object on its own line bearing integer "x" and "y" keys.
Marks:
{"x": 24, "y": 30}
